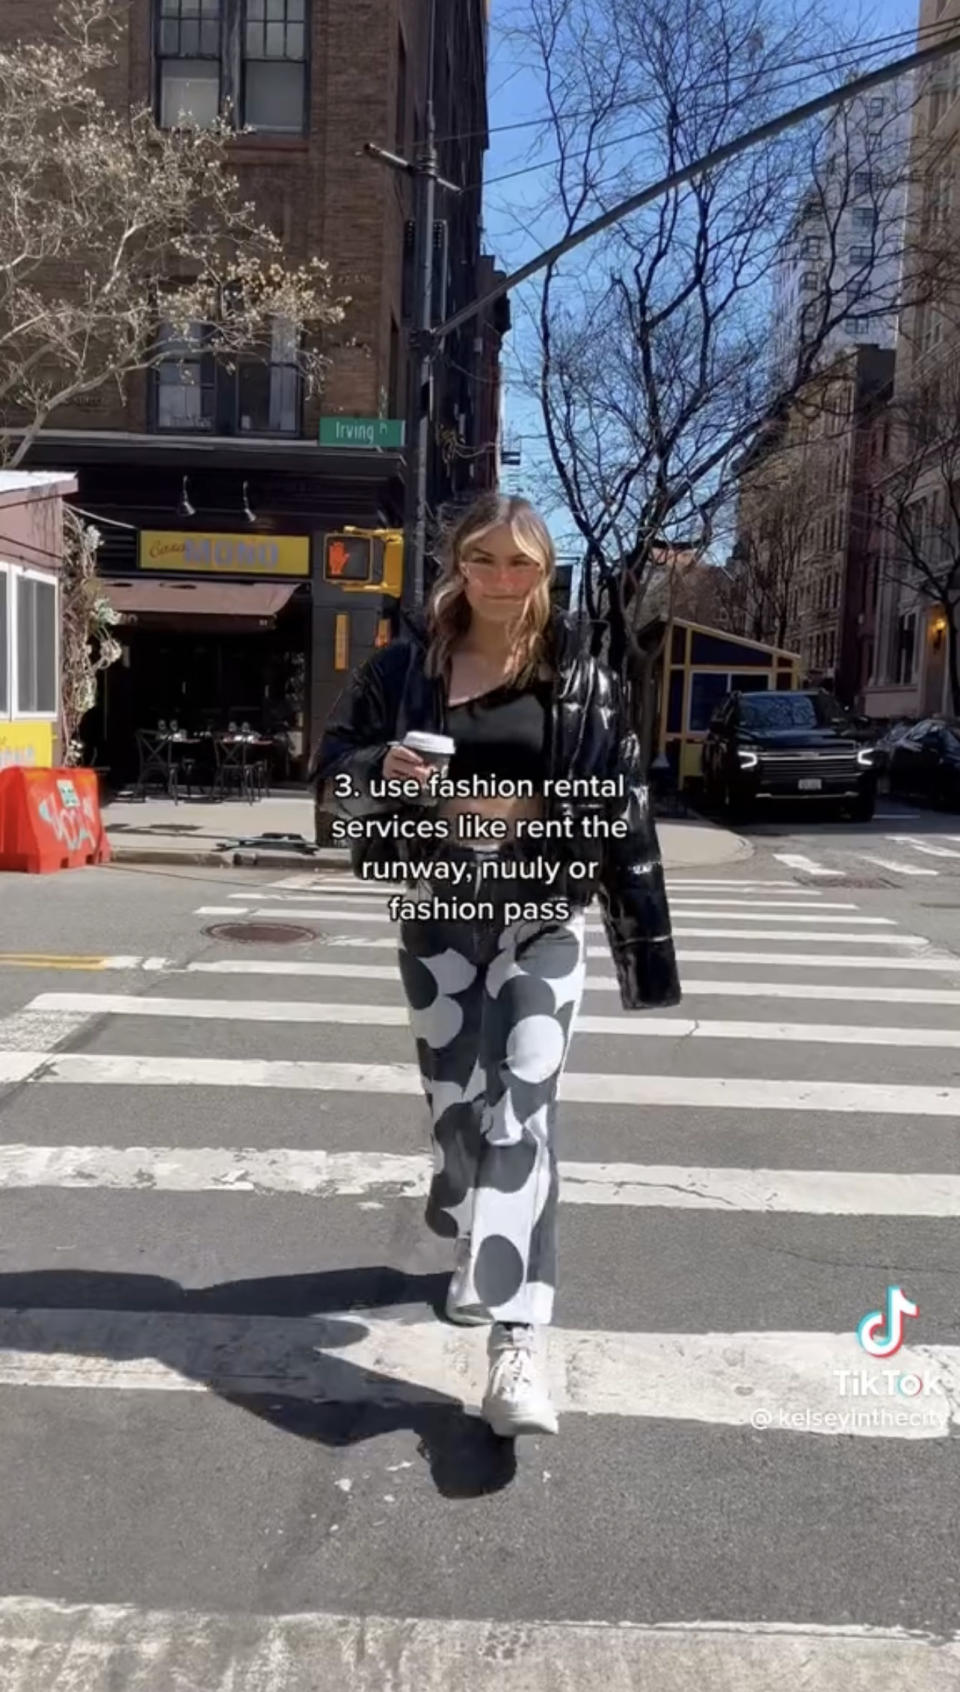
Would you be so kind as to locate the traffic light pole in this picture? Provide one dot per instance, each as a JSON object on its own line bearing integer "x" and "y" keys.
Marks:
{"x": 423, "y": 346}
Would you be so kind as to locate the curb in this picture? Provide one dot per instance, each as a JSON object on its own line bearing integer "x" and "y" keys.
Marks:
{"x": 234, "y": 857}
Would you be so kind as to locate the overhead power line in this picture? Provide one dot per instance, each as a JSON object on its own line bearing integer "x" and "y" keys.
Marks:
{"x": 827, "y": 61}
{"x": 719, "y": 155}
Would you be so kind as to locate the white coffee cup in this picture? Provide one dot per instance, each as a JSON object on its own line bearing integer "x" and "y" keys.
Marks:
{"x": 434, "y": 749}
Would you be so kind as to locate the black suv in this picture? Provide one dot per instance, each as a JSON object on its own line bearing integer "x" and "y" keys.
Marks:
{"x": 763, "y": 746}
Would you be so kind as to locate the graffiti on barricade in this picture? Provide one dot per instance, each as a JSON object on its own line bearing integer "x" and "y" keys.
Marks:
{"x": 72, "y": 819}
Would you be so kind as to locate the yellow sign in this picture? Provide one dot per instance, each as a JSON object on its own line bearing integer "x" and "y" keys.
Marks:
{"x": 229, "y": 555}
{"x": 341, "y": 641}
{"x": 26, "y": 743}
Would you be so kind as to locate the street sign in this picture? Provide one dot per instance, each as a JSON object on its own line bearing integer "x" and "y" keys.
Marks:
{"x": 383, "y": 434}
{"x": 347, "y": 558}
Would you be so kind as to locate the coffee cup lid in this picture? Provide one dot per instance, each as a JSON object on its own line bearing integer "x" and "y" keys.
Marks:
{"x": 438, "y": 745}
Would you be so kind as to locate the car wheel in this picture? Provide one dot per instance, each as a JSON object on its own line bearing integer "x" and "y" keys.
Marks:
{"x": 862, "y": 809}
{"x": 735, "y": 807}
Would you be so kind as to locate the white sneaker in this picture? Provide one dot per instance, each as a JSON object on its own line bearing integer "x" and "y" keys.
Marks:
{"x": 515, "y": 1402}
{"x": 468, "y": 1315}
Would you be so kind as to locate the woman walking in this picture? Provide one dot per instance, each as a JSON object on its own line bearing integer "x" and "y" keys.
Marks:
{"x": 542, "y": 807}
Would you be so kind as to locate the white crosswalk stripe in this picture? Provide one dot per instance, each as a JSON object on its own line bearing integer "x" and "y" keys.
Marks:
{"x": 896, "y": 866}
{"x": 307, "y": 1062}
{"x": 313, "y": 913}
{"x": 683, "y": 1377}
{"x": 216, "y": 1169}
{"x": 190, "y": 1648}
{"x": 396, "y": 1016}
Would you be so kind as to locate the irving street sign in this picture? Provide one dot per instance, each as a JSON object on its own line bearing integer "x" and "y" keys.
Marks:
{"x": 383, "y": 433}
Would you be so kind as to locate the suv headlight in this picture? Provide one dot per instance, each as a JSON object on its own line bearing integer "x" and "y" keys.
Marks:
{"x": 748, "y": 760}
{"x": 865, "y": 756}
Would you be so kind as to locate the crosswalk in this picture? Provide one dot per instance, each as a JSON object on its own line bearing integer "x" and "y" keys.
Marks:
{"x": 900, "y": 854}
{"x": 798, "y": 1109}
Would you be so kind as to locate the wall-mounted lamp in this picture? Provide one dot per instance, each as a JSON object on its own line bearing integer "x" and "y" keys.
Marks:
{"x": 185, "y": 509}
{"x": 251, "y": 516}
{"x": 938, "y": 629}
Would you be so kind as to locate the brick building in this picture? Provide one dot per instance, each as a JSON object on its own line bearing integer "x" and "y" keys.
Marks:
{"x": 803, "y": 536}
{"x": 230, "y": 473}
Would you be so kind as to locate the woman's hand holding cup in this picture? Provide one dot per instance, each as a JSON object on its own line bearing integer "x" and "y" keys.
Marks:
{"x": 424, "y": 757}
{"x": 403, "y": 764}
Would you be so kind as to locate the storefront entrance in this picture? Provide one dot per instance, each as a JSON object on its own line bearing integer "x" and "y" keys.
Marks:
{"x": 207, "y": 677}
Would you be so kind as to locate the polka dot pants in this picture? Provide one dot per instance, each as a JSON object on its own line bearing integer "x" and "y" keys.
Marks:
{"x": 492, "y": 1012}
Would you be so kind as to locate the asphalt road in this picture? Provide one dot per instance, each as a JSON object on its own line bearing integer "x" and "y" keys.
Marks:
{"x": 239, "y": 1445}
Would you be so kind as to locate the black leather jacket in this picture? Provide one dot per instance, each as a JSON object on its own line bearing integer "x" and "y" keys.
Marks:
{"x": 390, "y": 694}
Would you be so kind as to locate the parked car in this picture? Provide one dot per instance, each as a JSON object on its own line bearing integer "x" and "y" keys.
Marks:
{"x": 791, "y": 745}
{"x": 925, "y": 763}
{"x": 891, "y": 736}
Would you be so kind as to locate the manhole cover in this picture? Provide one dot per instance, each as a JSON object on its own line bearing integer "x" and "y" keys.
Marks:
{"x": 260, "y": 933}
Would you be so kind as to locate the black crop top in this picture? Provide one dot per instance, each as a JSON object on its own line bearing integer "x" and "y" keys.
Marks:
{"x": 502, "y": 733}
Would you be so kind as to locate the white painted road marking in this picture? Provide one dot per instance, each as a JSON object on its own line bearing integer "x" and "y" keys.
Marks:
{"x": 796, "y": 860}
{"x": 299, "y": 914}
{"x": 936, "y": 962}
{"x": 702, "y": 904}
{"x": 897, "y": 868}
{"x": 928, "y": 847}
{"x": 690, "y": 1092}
{"x": 356, "y": 1356}
{"x": 109, "y": 1645}
{"x": 321, "y": 1174}
{"x": 39, "y": 1027}
{"x": 698, "y": 913}
{"x": 80, "y": 1006}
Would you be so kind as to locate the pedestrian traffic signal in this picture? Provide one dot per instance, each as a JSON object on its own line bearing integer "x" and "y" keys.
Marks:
{"x": 365, "y": 561}
{"x": 348, "y": 558}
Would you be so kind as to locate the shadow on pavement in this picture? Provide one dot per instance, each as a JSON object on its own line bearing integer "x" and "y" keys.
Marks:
{"x": 341, "y": 1404}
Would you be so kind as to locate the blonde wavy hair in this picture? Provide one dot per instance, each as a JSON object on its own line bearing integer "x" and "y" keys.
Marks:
{"x": 448, "y": 610}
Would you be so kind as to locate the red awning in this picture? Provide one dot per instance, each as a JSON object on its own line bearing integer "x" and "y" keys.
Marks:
{"x": 150, "y": 600}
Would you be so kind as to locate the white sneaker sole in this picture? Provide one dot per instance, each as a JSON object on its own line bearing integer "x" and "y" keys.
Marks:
{"x": 509, "y": 1424}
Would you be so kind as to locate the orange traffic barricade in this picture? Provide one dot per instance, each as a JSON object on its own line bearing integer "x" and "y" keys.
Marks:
{"x": 50, "y": 820}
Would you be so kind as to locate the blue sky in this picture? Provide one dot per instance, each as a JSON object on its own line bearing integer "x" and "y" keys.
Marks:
{"x": 514, "y": 232}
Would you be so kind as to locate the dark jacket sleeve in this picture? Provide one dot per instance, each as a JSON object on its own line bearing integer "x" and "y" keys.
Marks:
{"x": 357, "y": 735}
{"x": 632, "y": 890}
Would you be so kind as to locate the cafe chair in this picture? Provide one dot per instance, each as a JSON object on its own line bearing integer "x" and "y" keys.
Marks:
{"x": 155, "y": 764}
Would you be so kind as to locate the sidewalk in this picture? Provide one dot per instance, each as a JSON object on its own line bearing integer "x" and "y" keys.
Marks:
{"x": 156, "y": 831}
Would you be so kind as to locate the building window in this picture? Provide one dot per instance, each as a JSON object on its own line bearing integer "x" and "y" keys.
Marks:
{"x": 875, "y": 106}
{"x": 811, "y": 246}
{"x": 185, "y": 392}
{"x": 197, "y": 393}
{"x": 809, "y": 282}
{"x": 860, "y": 255}
{"x": 36, "y": 614}
{"x": 267, "y": 390}
{"x": 906, "y": 644}
{"x": 275, "y": 66}
{"x": 248, "y": 55}
{"x": 861, "y": 182}
{"x": 189, "y": 54}
{"x": 864, "y": 217}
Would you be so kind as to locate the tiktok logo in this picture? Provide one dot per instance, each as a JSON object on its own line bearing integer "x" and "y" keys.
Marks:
{"x": 881, "y": 1332}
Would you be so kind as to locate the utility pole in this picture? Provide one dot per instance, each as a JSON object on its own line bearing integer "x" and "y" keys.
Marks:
{"x": 423, "y": 345}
